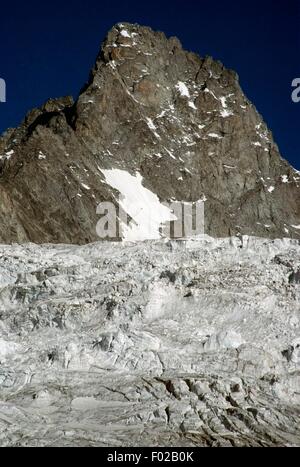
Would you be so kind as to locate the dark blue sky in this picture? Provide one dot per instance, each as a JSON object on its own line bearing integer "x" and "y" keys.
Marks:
{"x": 48, "y": 48}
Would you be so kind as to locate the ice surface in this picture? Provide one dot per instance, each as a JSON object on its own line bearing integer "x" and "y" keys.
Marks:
{"x": 178, "y": 343}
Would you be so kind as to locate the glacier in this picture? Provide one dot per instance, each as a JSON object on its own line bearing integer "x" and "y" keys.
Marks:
{"x": 159, "y": 343}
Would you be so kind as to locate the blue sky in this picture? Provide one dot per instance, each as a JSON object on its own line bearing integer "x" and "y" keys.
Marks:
{"x": 48, "y": 48}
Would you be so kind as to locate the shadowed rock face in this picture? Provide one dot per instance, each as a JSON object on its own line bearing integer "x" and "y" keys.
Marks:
{"x": 179, "y": 120}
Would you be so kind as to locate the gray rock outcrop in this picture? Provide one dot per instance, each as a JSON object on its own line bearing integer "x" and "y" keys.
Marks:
{"x": 181, "y": 121}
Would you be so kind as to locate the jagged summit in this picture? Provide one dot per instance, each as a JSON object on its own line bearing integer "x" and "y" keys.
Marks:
{"x": 154, "y": 113}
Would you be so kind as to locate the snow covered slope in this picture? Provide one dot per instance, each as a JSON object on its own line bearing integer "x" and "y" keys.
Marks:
{"x": 155, "y": 343}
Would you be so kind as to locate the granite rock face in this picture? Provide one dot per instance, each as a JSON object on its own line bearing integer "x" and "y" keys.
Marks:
{"x": 150, "y": 108}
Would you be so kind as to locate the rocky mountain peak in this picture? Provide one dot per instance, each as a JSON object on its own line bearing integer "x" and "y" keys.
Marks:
{"x": 152, "y": 113}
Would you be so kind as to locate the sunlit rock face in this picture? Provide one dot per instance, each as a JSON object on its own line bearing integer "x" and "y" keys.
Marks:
{"x": 190, "y": 343}
{"x": 155, "y": 111}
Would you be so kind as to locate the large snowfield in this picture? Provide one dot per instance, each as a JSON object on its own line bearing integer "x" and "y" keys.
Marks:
{"x": 169, "y": 343}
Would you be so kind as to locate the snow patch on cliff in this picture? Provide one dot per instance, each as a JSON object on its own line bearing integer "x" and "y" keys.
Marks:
{"x": 147, "y": 212}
